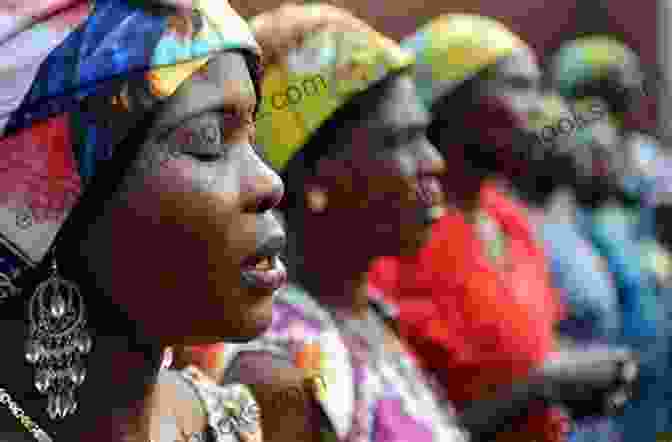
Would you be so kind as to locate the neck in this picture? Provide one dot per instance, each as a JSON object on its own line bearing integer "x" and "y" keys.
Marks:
{"x": 114, "y": 403}
{"x": 330, "y": 269}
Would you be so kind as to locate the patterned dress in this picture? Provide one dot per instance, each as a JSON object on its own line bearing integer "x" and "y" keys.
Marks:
{"x": 371, "y": 394}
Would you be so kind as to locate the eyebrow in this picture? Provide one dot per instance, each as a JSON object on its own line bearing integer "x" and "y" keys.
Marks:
{"x": 165, "y": 121}
{"x": 407, "y": 131}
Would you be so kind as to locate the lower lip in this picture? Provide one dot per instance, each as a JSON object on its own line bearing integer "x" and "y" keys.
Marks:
{"x": 272, "y": 279}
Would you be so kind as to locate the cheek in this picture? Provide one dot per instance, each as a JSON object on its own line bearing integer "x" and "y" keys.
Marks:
{"x": 174, "y": 238}
{"x": 391, "y": 187}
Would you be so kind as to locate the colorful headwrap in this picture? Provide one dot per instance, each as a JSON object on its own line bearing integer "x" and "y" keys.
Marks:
{"x": 65, "y": 64}
{"x": 317, "y": 57}
{"x": 453, "y": 48}
{"x": 586, "y": 59}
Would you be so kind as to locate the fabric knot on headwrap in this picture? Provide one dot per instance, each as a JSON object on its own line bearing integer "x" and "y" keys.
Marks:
{"x": 453, "y": 48}
{"x": 75, "y": 78}
{"x": 317, "y": 57}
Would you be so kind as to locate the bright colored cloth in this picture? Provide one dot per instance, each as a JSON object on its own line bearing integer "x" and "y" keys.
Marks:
{"x": 470, "y": 324}
{"x": 591, "y": 299}
{"x": 304, "y": 84}
{"x": 588, "y": 59}
{"x": 582, "y": 277}
{"x": 371, "y": 394}
{"x": 452, "y": 48}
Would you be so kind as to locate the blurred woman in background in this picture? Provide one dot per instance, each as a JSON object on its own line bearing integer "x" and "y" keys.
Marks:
{"x": 553, "y": 193}
{"x": 602, "y": 69}
{"x": 341, "y": 121}
{"x": 477, "y": 303}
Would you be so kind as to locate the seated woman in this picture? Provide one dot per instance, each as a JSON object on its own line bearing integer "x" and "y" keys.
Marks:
{"x": 476, "y": 303}
{"x": 577, "y": 269}
{"x": 137, "y": 175}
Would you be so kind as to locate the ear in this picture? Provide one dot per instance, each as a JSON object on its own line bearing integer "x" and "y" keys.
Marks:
{"x": 317, "y": 198}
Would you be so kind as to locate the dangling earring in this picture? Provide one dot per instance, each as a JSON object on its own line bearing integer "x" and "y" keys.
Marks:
{"x": 317, "y": 200}
{"x": 58, "y": 342}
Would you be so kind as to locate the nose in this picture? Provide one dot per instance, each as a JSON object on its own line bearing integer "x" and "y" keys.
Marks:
{"x": 430, "y": 161}
{"x": 262, "y": 187}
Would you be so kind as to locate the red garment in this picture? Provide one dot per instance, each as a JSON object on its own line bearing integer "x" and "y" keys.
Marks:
{"x": 470, "y": 324}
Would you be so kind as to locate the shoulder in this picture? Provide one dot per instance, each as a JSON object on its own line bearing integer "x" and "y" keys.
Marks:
{"x": 303, "y": 342}
{"x": 231, "y": 411}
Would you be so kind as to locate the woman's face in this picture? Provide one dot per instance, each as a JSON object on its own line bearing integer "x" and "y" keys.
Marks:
{"x": 600, "y": 163}
{"x": 507, "y": 99}
{"x": 189, "y": 246}
{"x": 385, "y": 181}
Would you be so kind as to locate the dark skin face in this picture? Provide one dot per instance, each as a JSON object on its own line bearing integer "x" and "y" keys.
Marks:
{"x": 192, "y": 208}
{"x": 561, "y": 158}
{"x": 493, "y": 130}
{"x": 604, "y": 162}
{"x": 376, "y": 180}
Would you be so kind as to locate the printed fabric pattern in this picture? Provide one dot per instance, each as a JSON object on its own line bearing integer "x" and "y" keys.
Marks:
{"x": 588, "y": 59}
{"x": 452, "y": 48}
{"x": 388, "y": 404}
{"x": 305, "y": 86}
{"x": 233, "y": 413}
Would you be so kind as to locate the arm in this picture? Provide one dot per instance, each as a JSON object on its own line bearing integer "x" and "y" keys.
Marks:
{"x": 582, "y": 381}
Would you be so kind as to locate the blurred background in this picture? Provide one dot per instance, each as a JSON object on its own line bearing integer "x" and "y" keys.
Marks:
{"x": 546, "y": 24}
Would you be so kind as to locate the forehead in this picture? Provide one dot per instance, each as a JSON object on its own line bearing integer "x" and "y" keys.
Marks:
{"x": 225, "y": 82}
{"x": 521, "y": 64}
{"x": 400, "y": 107}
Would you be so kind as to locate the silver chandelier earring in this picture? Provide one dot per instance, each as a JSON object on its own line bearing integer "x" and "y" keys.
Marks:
{"x": 58, "y": 342}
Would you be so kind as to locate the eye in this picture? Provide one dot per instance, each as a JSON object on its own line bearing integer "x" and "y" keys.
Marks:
{"x": 206, "y": 157}
{"x": 202, "y": 141}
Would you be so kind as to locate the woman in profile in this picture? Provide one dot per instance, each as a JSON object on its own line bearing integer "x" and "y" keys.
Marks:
{"x": 135, "y": 216}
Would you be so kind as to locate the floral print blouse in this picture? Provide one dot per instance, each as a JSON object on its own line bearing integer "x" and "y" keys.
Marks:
{"x": 370, "y": 395}
{"x": 233, "y": 414}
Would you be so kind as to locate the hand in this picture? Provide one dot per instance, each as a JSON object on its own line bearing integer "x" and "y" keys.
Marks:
{"x": 589, "y": 382}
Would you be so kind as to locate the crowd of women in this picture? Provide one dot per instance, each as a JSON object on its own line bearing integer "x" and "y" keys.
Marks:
{"x": 436, "y": 239}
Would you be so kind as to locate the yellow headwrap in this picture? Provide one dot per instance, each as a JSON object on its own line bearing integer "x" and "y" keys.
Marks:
{"x": 452, "y": 48}
{"x": 317, "y": 57}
